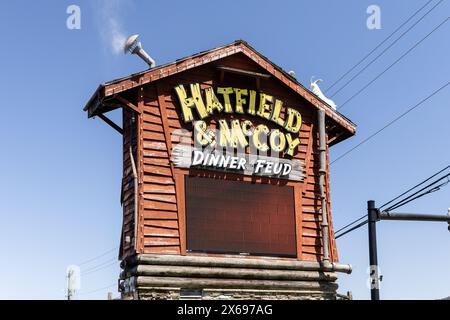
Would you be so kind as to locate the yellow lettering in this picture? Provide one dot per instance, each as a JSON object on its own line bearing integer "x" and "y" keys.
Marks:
{"x": 240, "y": 101}
{"x": 277, "y": 141}
{"x": 202, "y": 135}
{"x": 293, "y": 121}
{"x": 185, "y": 102}
{"x": 252, "y": 103}
{"x": 189, "y": 102}
{"x": 247, "y": 127}
{"x": 212, "y": 102}
{"x": 226, "y": 98}
{"x": 264, "y": 107}
{"x": 260, "y": 145}
{"x": 231, "y": 137}
{"x": 276, "y": 113}
{"x": 292, "y": 144}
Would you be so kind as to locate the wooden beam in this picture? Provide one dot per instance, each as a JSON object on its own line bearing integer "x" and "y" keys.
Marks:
{"x": 128, "y": 104}
{"x": 225, "y": 272}
{"x": 183, "y": 282}
{"x": 110, "y": 122}
{"x": 244, "y": 72}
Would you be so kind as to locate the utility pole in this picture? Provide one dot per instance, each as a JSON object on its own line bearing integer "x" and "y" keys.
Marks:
{"x": 372, "y": 216}
{"x": 69, "y": 284}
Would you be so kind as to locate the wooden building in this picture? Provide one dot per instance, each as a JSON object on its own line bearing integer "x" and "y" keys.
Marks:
{"x": 220, "y": 227}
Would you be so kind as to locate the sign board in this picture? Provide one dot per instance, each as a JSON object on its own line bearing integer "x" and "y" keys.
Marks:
{"x": 238, "y": 145}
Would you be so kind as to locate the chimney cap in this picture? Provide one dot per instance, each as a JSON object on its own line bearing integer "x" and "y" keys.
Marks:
{"x": 130, "y": 43}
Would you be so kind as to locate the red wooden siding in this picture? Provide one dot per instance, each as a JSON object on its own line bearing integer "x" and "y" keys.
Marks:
{"x": 162, "y": 226}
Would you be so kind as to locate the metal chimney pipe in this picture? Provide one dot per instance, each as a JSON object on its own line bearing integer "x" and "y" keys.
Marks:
{"x": 135, "y": 47}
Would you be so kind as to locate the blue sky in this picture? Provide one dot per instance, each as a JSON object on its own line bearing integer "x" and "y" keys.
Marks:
{"x": 61, "y": 172}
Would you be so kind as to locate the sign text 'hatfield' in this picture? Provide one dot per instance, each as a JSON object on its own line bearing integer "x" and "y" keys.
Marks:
{"x": 239, "y": 133}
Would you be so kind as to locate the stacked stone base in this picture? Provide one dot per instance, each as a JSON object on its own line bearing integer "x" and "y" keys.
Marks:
{"x": 167, "y": 277}
{"x": 231, "y": 294}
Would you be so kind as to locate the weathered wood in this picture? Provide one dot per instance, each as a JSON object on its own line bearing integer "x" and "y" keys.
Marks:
{"x": 165, "y": 249}
{"x": 235, "y": 273}
{"x": 151, "y": 136}
{"x": 159, "y": 205}
{"x": 266, "y": 263}
{"x": 181, "y": 282}
{"x": 182, "y": 158}
{"x": 128, "y": 104}
{"x": 160, "y": 197}
{"x": 158, "y": 188}
{"x": 160, "y": 232}
{"x": 179, "y": 185}
{"x": 160, "y": 241}
{"x": 171, "y": 224}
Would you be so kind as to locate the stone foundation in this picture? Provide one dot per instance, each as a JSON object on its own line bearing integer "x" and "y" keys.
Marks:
{"x": 218, "y": 294}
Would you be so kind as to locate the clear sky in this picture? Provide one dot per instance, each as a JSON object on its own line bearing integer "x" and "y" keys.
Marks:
{"x": 60, "y": 172}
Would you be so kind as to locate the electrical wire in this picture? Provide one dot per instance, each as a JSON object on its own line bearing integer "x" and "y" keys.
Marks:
{"x": 385, "y": 50}
{"x": 417, "y": 194}
{"x": 390, "y": 123}
{"x": 414, "y": 187}
{"x": 97, "y": 290}
{"x": 100, "y": 266}
{"x": 351, "y": 223}
{"x": 359, "y": 225}
{"x": 394, "y": 63}
{"x": 379, "y": 45}
{"x": 97, "y": 257}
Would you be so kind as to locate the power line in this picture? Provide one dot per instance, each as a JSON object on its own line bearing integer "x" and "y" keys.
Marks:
{"x": 99, "y": 256}
{"x": 97, "y": 290}
{"x": 414, "y": 187}
{"x": 94, "y": 268}
{"x": 394, "y": 63}
{"x": 351, "y": 223}
{"x": 420, "y": 193}
{"x": 386, "y": 49}
{"x": 390, "y": 123}
{"x": 417, "y": 194}
{"x": 100, "y": 268}
{"x": 379, "y": 45}
{"x": 352, "y": 229}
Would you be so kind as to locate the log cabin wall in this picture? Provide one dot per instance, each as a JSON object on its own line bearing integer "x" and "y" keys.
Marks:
{"x": 162, "y": 218}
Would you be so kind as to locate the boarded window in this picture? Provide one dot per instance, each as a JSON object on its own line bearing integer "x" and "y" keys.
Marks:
{"x": 239, "y": 217}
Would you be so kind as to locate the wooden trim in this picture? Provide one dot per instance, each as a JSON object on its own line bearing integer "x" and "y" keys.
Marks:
{"x": 181, "y": 206}
{"x": 111, "y": 123}
{"x": 244, "y": 72}
{"x": 190, "y": 62}
{"x": 236, "y": 256}
{"x": 309, "y": 151}
{"x": 298, "y": 220}
{"x": 129, "y": 104}
{"x": 165, "y": 123}
{"x": 332, "y": 241}
{"x": 140, "y": 168}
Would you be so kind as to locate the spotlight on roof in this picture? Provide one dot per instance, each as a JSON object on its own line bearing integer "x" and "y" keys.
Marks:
{"x": 292, "y": 74}
{"x": 134, "y": 47}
